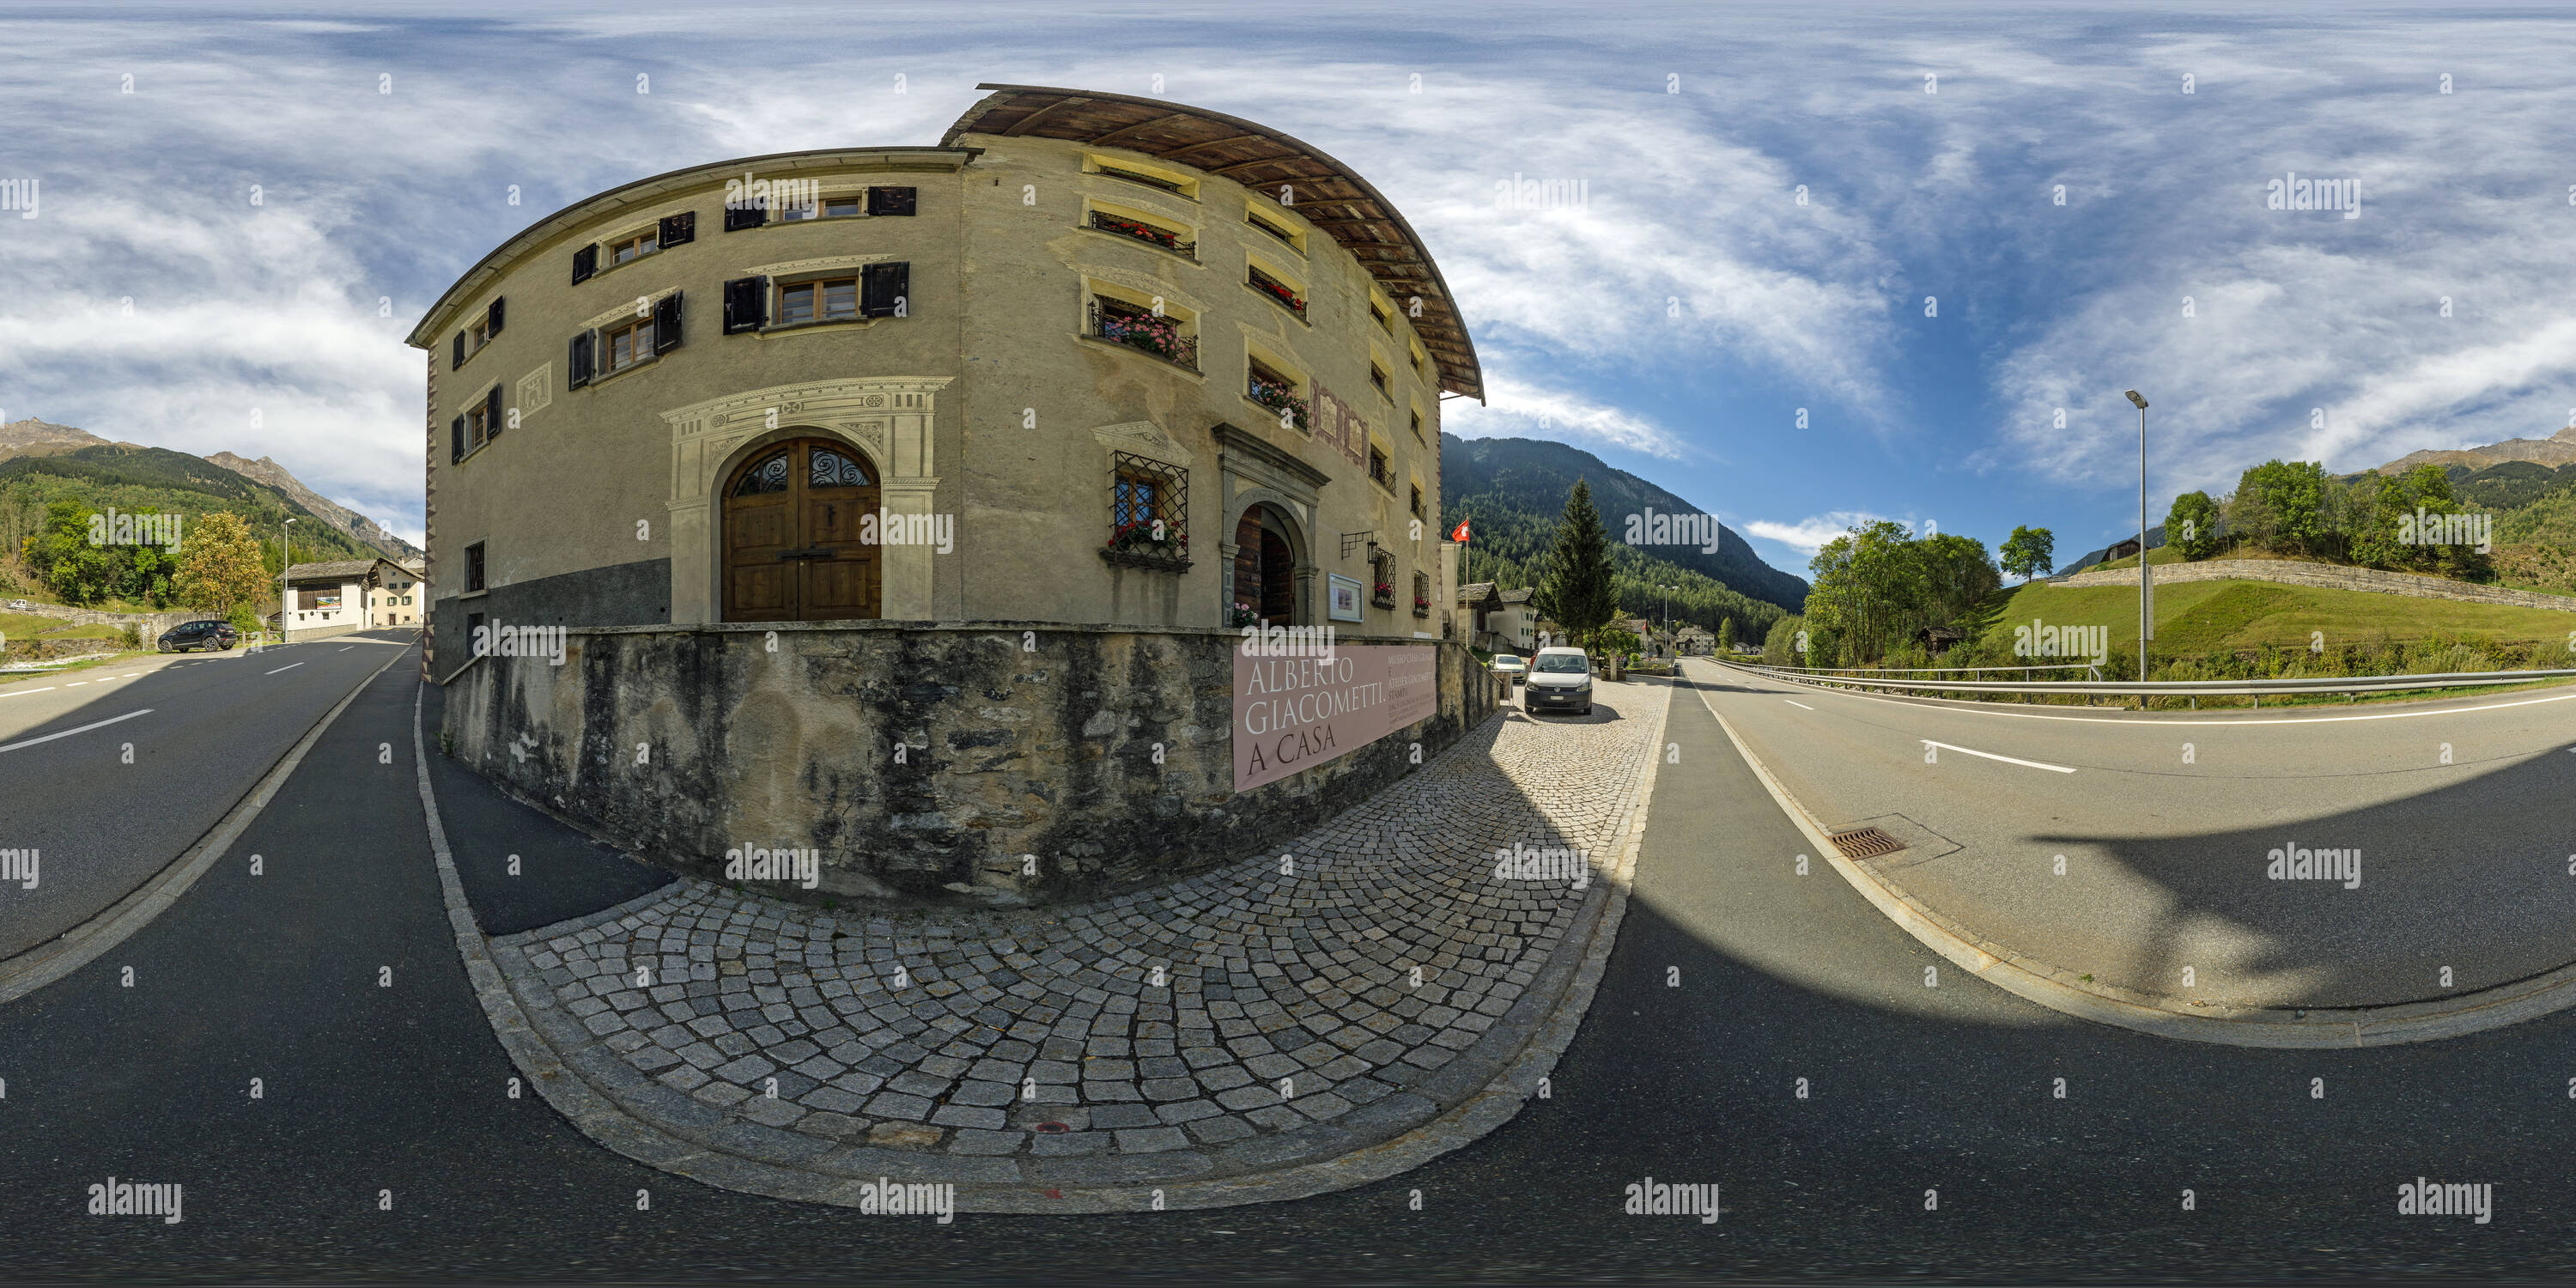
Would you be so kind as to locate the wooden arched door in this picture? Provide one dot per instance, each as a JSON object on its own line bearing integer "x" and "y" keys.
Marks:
{"x": 800, "y": 535}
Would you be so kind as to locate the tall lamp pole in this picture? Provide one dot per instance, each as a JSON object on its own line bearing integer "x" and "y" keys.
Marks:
{"x": 2146, "y": 578}
{"x": 285, "y": 561}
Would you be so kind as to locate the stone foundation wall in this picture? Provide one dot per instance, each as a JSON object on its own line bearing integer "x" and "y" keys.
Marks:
{"x": 1105, "y": 752}
{"x": 2330, "y": 576}
{"x": 152, "y": 624}
{"x": 30, "y": 650}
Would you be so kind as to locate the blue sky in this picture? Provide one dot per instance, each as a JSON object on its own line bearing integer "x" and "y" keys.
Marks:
{"x": 1674, "y": 324}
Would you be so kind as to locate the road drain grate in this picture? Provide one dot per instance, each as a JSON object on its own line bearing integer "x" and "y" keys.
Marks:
{"x": 1866, "y": 843}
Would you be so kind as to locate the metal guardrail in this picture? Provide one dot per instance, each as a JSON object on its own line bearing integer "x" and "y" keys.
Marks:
{"x": 2178, "y": 688}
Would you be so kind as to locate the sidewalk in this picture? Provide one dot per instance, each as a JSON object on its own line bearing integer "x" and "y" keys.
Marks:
{"x": 1238, "y": 1036}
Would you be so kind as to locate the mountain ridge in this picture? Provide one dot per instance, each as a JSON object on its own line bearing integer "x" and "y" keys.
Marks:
{"x": 1512, "y": 491}
{"x": 35, "y": 436}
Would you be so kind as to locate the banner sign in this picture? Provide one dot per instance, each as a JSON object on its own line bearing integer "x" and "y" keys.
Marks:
{"x": 1292, "y": 713}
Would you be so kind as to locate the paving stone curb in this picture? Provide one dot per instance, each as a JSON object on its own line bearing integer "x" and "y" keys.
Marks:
{"x": 574, "y": 1061}
{"x": 55, "y": 958}
{"x": 2063, "y": 990}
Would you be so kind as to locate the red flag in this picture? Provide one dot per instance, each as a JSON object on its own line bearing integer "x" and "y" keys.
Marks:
{"x": 1461, "y": 534}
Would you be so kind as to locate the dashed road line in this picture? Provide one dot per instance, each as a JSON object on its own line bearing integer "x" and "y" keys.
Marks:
{"x": 1799, "y": 705}
{"x": 1992, "y": 756}
{"x": 288, "y": 667}
{"x": 83, "y": 729}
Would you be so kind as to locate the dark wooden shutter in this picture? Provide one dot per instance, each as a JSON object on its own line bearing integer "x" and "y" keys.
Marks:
{"x": 679, "y": 229}
{"x": 746, "y": 304}
{"x": 460, "y": 352}
{"x": 891, "y": 201}
{"x": 456, "y": 441}
{"x": 666, "y": 323}
{"x": 745, "y": 215}
{"x": 585, "y": 262}
{"x": 492, "y": 421}
{"x": 882, "y": 290}
{"x": 580, "y": 360}
{"x": 492, "y": 317}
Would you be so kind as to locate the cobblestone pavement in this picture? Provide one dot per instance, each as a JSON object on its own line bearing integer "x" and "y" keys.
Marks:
{"x": 1201, "y": 1029}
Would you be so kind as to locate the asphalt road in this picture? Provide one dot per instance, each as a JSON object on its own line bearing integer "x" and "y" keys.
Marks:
{"x": 203, "y": 728}
{"x": 1734, "y": 978}
{"x": 2167, "y": 823}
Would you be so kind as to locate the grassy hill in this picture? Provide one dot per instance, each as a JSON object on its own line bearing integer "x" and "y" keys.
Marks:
{"x": 1511, "y": 491}
{"x": 2214, "y": 617}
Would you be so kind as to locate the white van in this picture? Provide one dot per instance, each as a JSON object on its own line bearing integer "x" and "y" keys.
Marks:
{"x": 1559, "y": 679}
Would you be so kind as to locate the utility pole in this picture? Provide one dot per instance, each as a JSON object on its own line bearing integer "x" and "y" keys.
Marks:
{"x": 285, "y": 561}
{"x": 2146, "y": 577}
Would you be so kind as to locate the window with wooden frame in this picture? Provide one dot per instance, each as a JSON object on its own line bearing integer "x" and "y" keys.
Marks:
{"x": 1422, "y": 594}
{"x": 1416, "y": 421}
{"x": 621, "y": 347}
{"x": 849, "y": 205}
{"x": 1385, "y": 315}
{"x": 478, "y": 426}
{"x": 1377, "y": 468}
{"x": 1377, "y": 377}
{"x": 635, "y": 247}
{"x": 474, "y": 566}
{"x": 1382, "y": 570}
{"x": 823, "y": 301}
{"x": 1417, "y": 502}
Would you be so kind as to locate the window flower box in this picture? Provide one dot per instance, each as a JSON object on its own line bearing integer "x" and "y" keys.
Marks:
{"x": 1146, "y": 233}
{"x": 1277, "y": 397}
{"x": 1159, "y": 336}
{"x": 1279, "y": 291}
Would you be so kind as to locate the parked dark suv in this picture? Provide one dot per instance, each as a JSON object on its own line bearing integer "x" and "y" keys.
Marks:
{"x": 198, "y": 635}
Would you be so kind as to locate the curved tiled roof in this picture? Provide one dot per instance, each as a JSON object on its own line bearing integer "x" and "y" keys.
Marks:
{"x": 1329, "y": 195}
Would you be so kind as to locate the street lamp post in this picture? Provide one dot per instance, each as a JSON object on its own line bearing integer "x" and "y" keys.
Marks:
{"x": 2146, "y": 578}
{"x": 285, "y": 561}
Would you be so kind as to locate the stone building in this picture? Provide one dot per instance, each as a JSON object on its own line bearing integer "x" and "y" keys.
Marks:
{"x": 1009, "y": 357}
{"x": 1093, "y": 360}
{"x": 327, "y": 599}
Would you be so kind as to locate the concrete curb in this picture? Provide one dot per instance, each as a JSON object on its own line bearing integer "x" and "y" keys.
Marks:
{"x": 616, "y": 1106}
{"x": 82, "y": 944}
{"x": 2061, "y": 990}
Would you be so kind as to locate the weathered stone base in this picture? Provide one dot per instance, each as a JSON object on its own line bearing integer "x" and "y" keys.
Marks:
{"x": 1011, "y": 762}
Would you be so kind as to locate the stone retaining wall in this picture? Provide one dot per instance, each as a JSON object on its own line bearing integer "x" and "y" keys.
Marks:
{"x": 1105, "y": 752}
{"x": 2330, "y": 576}
{"x": 28, "y": 650}
{"x": 152, "y": 624}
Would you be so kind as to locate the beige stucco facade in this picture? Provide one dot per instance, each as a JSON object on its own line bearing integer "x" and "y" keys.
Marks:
{"x": 992, "y": 406}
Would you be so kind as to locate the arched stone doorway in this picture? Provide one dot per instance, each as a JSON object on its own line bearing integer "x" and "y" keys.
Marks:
{"x": 1265, "y": 565}
{"x": 799, "y": 544}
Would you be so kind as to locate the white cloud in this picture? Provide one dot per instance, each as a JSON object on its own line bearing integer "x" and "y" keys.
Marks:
{"x": 1809, "y": 535}
{"x": 1516, "y": 409}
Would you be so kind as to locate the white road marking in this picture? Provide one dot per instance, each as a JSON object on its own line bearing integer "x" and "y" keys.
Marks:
{"x": 1799, "y": 705}
{"x": 288, "y": 667}
{"x": 77, "y": 683}
{"x": 1992, "y": 756}
{"x": 50, "y": 688}
{"x": 83, "y": 729}
{"x": 347, "y": 649}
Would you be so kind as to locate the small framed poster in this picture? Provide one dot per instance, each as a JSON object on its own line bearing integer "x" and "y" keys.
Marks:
{"x": 1344, "y": 605}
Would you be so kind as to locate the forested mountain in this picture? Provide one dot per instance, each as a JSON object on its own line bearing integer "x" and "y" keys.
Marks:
{"x": 1511, "y": 491}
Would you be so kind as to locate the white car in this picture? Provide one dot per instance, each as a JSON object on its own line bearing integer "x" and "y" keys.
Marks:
{"x": 1560, "y": 679}
{"x": 17, "y": 605}
{"x": 1512, "y": 667}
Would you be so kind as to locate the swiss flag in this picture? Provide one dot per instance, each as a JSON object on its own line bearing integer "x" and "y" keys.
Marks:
{"x": 1461, "y": 534}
